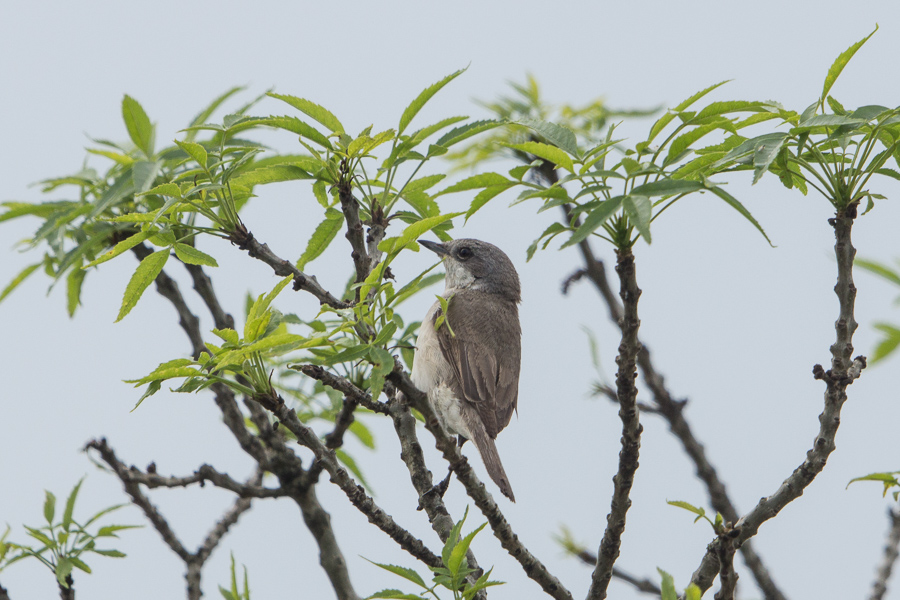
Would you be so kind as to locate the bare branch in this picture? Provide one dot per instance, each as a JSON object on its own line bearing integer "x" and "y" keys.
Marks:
{"x": 626, "y": 391}
{"x": 842, "y": 373}
{"x": 138, "y": 498}
{"x": 245, "y": 241}
{"x": 501, "y": 528}
{"x": 879, "y": 588}
{"x": 355, "y": 492}
{"x": 725, "y": 553}
{"x": 203, "y": 287}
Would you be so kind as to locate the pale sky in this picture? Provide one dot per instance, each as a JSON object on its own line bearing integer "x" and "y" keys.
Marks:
{"x": 735, "y": 325}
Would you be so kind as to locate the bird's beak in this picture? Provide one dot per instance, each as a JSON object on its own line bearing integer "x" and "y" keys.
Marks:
{"x": 435, "y": 247}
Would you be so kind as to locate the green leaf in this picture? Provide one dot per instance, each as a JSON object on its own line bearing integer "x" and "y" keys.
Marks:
{"x": 49, "y": 506}
{"x": 464, "y": 132}
{"x": 407, "y": 574}
{"x": 143, "y": 276}
{"x": 270, "y": 174}
{"x": 191, "y": 256}
{"x": 80, "y": 564}
{"x": 164, "y": 189}
{"x": 412, "y": 233}
{"x": 558, "y": 158}
{"x": 123, "y": 246}
{"x": 559, "y": 136}
{"x": 639, "y": 211}
{"x": 692, "y": 592}
{"x": 595, "y": 219}
{"x": 63, "y": 569}
{"x": 382, "y": 365}
{"x": 670, "y": 114}
{"x": 110, "y": 530}
{"x": 426, "y": 94}
{"x": 297, "y": 126}
{"x": 482, "y": 197}
{"x": 140, "y": 130}
{"x": 363, "y": 434}
{"x": 888, "y": 343}
{"x": 313, "y": 110}
{"x": 551, "y": 232}
{"x": 73, "y": 290}
{"x": 393, "y": 594}
{"x": 736, "y": 205}
{"x": 878, "y": 269}
{"x": 482, "y": 180}
{"x": 70, "y": 505}
{"x": 667, "y": 187}
{"x": 18, "y": 279}
{"x": 202, "y": 117}
{"x": 458, "y": 555}
{"x": 323, "y": 235}
{"x": 668, "y": 586}
{"x": 839, "y": 65}
{"x": 195, "y": 151}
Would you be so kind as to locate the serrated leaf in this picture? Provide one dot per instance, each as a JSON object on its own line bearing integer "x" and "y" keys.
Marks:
{"x": 736, "y": 205}
{"x": 458, "y": 555}
{"x": 74, "y": 281}
{"x": 482, "y": 197}
{"x": 143, "y": 276}
{"x": 49, "y": 506}
{"x": 667, "y": 586}
{"x": 416, "y": 105}
{"x": 394, "y": 594}
{"x": 190, "y": 255}
{"x": 482, "y": 180}
{"x": 670, "y": 114}
{"x": 295, "y": 125}
{"x": 63, "y": 569}
{"x": 164, "y": 189}
{"x": 313, "y": 110}
{"x": 270, "y": 174}
{"x": 203, "y": 115}
{"x": 195, "y": 151}
{"x": 323, "y": 235}
{"x": 140, "y": 130}
{"x": 595, "y": 219}
{"x": 405, "y": 573}
{"x": 80, "y": 564}
{"x": 639, "y": 211}
{"x": 559, "y": 136}
{"x": 557, "y": 157}
{"x": 413, "y": 231}
{"x": 123, "y": 246}
{"x": 18, "y": 279}
{"x": 70, "y": 505}
{"x": 835, "y": 70}
{"x": 667, "y": 187}
{"x": 464, "y": 132}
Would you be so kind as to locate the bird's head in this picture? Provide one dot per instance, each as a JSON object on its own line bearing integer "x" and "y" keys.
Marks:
{"x": 477, "y": 265}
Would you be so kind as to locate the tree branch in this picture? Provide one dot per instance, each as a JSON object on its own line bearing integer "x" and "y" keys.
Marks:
{"x": 501, "y": 528}
{"x": 631, "y": 426}
{"x": 354, "y": 492}
{"x": 672, "y": 411}
{"x": 245, "y": 241}
{"x": 842, "y": 373}
{"x": 879, "y": 588}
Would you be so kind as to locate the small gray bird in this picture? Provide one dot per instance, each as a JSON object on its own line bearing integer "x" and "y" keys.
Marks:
{"x": 470, "y": 370}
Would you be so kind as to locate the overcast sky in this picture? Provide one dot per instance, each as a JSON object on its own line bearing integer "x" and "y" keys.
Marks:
{"x": 733, "y": 324}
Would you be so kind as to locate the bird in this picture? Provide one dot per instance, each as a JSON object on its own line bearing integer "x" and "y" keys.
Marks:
{"x": 468, "y": 363}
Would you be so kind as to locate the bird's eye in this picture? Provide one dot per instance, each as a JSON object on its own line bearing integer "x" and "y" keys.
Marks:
{"x": 465, "y": 252}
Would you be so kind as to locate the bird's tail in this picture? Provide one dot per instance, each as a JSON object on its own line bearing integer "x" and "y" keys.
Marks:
{"x": 488, "y": 451}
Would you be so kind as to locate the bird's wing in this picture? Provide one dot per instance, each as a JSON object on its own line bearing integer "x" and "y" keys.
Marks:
{"x": 483, "y": 346}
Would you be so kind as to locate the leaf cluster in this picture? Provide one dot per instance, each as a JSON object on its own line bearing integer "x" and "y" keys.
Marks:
{"x": 63, "y": 544}
{"x": 451, "y": 575}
